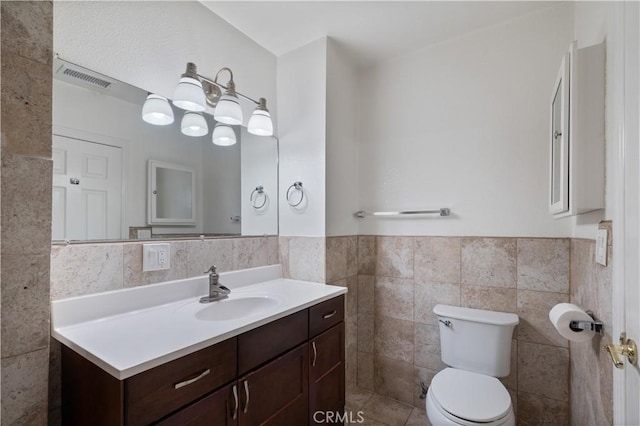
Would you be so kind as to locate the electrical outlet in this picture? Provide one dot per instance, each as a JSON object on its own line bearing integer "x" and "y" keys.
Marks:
{"x": 156, "y": 257}
{"x": 601, "y": 247}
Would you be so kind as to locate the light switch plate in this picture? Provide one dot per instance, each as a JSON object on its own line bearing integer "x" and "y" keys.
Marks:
{"x": 601, "y": 247}
{"x": 156, "y": 257}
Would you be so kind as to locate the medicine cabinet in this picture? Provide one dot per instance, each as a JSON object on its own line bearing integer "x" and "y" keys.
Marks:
{"x": 576, "y": 171}
{"x": 172, "y": 194}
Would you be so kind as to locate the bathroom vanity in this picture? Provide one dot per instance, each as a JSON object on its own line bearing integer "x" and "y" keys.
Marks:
{"x": 266, "y": 363}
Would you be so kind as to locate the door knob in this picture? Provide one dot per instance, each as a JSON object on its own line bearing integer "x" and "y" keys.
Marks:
{"x": 627, "y": 347}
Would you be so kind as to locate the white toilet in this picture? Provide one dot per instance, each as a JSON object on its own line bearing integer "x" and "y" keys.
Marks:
{"x": 476, "y": 345}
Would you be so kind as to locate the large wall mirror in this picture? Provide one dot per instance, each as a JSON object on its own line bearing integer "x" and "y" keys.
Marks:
{"x": 108, "y": 162}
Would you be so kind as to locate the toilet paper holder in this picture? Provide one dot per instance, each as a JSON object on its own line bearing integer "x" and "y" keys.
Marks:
{"x": 595, "y": 325}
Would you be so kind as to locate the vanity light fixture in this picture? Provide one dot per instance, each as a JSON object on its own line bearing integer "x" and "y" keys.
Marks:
{"x": 156, "y": 110}
{"x": 195, "y": 91}
{"x": 223, "y": 135}
{"x": 194, "y": 124}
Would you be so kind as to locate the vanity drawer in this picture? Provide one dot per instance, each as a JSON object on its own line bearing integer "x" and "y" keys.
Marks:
{"x": 258, "y": 346}
{"x": 325, "y": 315}
{"x": 153, "y": 394}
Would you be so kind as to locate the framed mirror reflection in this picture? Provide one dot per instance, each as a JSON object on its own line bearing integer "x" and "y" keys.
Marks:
{"x": 103, "y": 152}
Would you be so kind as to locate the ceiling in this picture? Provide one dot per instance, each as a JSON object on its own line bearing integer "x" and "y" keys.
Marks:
{"x": 371, "y": 31}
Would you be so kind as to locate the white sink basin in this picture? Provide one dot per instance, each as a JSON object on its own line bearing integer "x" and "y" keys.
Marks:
{"x": 230, "y": 309}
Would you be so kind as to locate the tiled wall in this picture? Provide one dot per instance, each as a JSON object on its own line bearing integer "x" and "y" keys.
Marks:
{"x": 26, "y": 56}
{"x": 401, "y": 279}
{"x": 80, "y": 269}
{"x": 591, "y": 368}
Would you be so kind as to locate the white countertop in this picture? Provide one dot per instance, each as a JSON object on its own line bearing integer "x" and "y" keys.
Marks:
{"x": 126, "y": 332}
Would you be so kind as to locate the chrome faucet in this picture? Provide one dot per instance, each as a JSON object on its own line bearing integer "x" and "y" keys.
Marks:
{"x": 216, "y": 290}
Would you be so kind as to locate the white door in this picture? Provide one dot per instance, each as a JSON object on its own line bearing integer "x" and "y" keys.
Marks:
{"x": 627, "y": 220}
{"x": 87, "y": 188}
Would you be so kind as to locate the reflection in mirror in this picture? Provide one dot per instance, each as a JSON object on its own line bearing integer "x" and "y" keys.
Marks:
{"x": 102, "y": 150}
{"x": 172, "y": 194}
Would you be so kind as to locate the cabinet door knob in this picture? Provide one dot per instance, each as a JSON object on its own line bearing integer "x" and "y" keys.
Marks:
{"x": 557, "y": 134}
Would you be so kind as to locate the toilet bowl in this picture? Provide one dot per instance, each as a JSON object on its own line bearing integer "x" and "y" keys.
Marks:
{"x": 458, "y": 397}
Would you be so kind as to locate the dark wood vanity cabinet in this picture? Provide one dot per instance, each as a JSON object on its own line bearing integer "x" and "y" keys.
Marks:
{"x": 277, "y": 374}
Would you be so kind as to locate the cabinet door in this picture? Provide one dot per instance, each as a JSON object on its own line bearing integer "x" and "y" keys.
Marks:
{"x": 326, "y": 376}
{"x": 278, "y": 392}
{"x": 559, "y": 161}
{"x": 219, "y": 408}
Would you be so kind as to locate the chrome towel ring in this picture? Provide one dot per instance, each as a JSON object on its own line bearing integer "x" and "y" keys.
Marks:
{"x": 254, "y": 201}
{"x": 297, "y": 187}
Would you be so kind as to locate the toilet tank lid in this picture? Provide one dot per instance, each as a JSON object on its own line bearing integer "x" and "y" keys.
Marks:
{"x": 476, "y": 315}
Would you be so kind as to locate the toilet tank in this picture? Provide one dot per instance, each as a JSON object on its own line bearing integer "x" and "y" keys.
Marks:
{"x": 475, "y": 339}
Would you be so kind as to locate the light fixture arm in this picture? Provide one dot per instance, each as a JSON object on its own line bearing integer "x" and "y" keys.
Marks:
{"x": 230, "y": 85}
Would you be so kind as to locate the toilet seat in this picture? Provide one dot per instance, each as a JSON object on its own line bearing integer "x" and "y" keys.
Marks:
{"x": 469, "y": 398}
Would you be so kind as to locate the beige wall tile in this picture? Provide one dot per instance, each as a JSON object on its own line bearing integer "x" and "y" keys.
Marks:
{"x": 511, "y": 381}
{"x": 489, "y": 262}
{"x": 366, "y": 291}
{"x": 394, "y": 298}
{"x": 352, "y": 296}
{"x": 394, "y": 257}
{"x": 307, "y": 258}
{"x": 249, "y": 252}
{"x": 543, "y": 264}
{"x": 25, "y": 303}
{"x": 427, "y": 347}
{"x": 79, "y": 269}
{"x": 202, "y": 254}
{"x": 543, "y": 370}
{"x": 336, "y": 258}
{"x": 387, "y": 411}
{"x": 283, "y": 250}
{"x": 365, "y": 333}
{"x": 537, "y": 410}
{"x": 26, "y": 203}
{"x": 437, "y": 259}
{"x": 134, "y": 276}
{"x": 25, "y": 389}
{"x": 351, "y": 367}
{"x": 533, "y": 310}
{"x": 352, "y": 255}
{"x": 489, "y": 298}
{"x": 273, "y": 251}
{"x": 394, "y": 379}
{"x": 394, "y": 339}
{"x": 366, "y": 255}
{"x": 26, "y": 30}
{"x": 351, "y": 334}
{"x": 428, "y": 295}
{"x": 365, "y": 370}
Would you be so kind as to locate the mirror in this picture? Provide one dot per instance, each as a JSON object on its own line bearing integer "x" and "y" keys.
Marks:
{"x": 108, "y": 161}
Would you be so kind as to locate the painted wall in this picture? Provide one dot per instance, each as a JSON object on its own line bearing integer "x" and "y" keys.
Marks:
{"x": 342, "y": 142}
{"x": 463, "y": 124}
{"x": 109, "y": 38}
{"x": 302, "y": 78}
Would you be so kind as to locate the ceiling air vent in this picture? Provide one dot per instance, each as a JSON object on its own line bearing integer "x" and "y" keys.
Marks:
{"x": 87, "y": 78}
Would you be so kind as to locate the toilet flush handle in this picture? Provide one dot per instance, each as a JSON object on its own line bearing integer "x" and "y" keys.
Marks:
{"x": 446, "y": 322}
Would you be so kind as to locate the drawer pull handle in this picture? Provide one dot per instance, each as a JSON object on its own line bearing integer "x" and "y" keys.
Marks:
{"x": 189, "y": 381}
{"x": 246, "y": 392}
{"x": 329, "y": 315}
{"x": 315, "y": 354}
{"x": 235, "y": 400}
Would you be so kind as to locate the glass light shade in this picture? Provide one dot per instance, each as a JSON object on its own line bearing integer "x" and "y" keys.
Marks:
{"x": 189, "y": 95}
{"x": 156, "y": 110}
{"x": 223, "y": 135}
{"x": 260, "y": 123}
{"x": 194, "y": 124}
{"x": 228, "y": 110}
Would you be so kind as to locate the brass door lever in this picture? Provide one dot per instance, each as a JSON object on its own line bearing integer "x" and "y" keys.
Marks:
{"x": 627, "y": 347}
